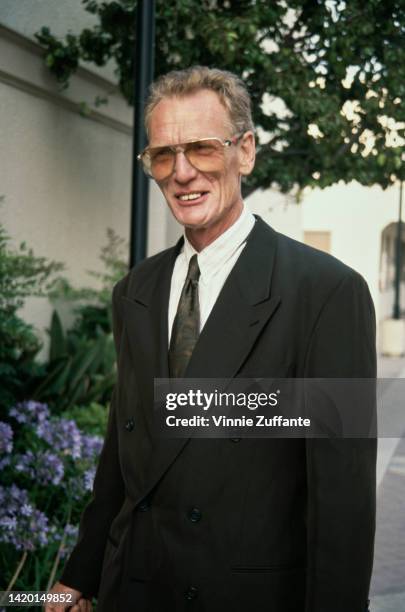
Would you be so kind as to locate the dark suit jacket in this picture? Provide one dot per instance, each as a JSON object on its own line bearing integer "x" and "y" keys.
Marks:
{"x": 279, "y": 525}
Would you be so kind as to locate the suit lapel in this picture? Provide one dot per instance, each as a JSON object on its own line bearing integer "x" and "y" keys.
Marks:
{"x": 145, "y": 312}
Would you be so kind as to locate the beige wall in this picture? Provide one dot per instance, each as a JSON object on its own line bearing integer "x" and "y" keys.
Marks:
{"x": 280, "y": 210}
{"x": 65, "y": 178}
{"x": 356, "y": 217}
{"x": 318, "y": 240}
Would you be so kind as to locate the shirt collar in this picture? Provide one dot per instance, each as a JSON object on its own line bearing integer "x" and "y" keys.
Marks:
{"x": 215, "y": 255}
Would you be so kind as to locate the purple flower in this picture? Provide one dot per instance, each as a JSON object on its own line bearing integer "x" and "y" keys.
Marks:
{"x": 70, "y": 532}
{"x": 45, "y": 467}
{"x": 63, "y": 435}
{"x": 21, "y": 524}
{"x": 6, "y": 438}
{"x": 9, "y": 523}
{"x": 5, "y": 462}
{"x": 26, "y": 510}
{"x": 30, "y": 412}
{"x": 88, "y": 478}
{"x": 91, "y": 447}
{"x": 74, "y": 487}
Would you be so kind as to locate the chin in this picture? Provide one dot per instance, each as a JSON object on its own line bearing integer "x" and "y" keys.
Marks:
{"x": 193, "y": 219}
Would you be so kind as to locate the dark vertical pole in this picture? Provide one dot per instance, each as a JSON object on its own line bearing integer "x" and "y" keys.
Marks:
{"x": 398, "y": 260}
{"x": 143, "y": 75}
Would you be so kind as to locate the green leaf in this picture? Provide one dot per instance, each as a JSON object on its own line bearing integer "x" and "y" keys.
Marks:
{"x": 55, "y": 382}
{"x": 57, "y": 338}
{"x": 81, "y": 363}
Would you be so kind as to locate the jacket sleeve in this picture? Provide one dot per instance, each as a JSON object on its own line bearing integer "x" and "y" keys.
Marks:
{"x": 83, "y": 568}
{"x": 341, "y": 471}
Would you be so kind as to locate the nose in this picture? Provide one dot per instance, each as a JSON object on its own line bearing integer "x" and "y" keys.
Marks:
{"x": 183, "y": 170}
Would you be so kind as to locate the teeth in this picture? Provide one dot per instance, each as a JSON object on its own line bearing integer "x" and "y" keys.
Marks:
{"x": 190, "y": 196}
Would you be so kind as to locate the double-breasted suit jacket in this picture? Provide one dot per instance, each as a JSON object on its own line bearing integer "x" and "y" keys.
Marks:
{"x": 275, "y": 525}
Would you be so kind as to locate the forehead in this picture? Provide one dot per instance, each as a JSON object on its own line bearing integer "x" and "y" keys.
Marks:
{"x": 198, "y": 115}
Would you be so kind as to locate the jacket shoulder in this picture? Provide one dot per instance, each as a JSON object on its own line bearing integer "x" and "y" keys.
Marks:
{"x": 305, "y": 263}
{"x": 139, "y": 274}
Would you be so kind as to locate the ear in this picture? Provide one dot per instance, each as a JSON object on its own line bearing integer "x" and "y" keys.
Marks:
{"x": 247, "y": 153}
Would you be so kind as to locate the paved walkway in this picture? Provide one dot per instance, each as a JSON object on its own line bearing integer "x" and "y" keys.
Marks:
{"x": 388, "y": 583}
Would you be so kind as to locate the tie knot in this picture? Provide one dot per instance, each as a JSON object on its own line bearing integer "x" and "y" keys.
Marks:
{"x": 193, "y": 273}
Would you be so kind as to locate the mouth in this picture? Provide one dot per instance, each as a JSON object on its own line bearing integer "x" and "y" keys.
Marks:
{"x": 191, "y": 198}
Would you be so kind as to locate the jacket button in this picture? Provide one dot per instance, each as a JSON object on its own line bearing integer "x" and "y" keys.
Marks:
{"x": 235, "y": 439}
{"x": 191, "y": 593}
{"x": 129, "y": 425}
{"x": 195, "y": 515}
{"x": 144, "y": 505}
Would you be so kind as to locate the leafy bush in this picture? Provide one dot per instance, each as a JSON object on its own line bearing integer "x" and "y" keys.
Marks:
{"x": 21, "y": 275}
{"x": 92, "y": 420}
{"x": 80, "y": 370}
{"x": 81, "y": 367}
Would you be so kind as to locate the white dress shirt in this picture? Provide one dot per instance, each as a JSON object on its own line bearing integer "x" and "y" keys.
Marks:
{"x": 215, "y": 263}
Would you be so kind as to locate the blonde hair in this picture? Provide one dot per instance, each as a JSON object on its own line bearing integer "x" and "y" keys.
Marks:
{"x": 229, "y": 87}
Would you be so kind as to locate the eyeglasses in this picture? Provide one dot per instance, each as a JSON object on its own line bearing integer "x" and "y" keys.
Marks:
{"x": 206, "y": 155}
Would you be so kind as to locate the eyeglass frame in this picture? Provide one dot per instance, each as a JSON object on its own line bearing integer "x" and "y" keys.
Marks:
{"x": 225, "y": 142}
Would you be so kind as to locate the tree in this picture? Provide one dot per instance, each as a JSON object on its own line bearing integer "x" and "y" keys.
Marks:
{"x": 327, "y": 78}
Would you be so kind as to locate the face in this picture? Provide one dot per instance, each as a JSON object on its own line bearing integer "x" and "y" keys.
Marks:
{"x": 219, "y": 203}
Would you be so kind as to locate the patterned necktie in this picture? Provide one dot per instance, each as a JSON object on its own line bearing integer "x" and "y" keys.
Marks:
{"x": 186, "y": 325}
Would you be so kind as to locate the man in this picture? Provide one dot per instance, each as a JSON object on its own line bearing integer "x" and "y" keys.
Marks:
{"x": 276, "y": 525}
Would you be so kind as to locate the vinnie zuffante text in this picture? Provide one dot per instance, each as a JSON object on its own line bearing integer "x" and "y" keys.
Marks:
{"x": 209, "y": 401}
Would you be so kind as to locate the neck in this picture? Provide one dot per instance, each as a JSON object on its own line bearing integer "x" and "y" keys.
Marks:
{"x": 202, "y": 237}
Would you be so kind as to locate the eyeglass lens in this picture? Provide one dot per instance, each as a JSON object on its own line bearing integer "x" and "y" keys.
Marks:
{"x": 204, "y": 155}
